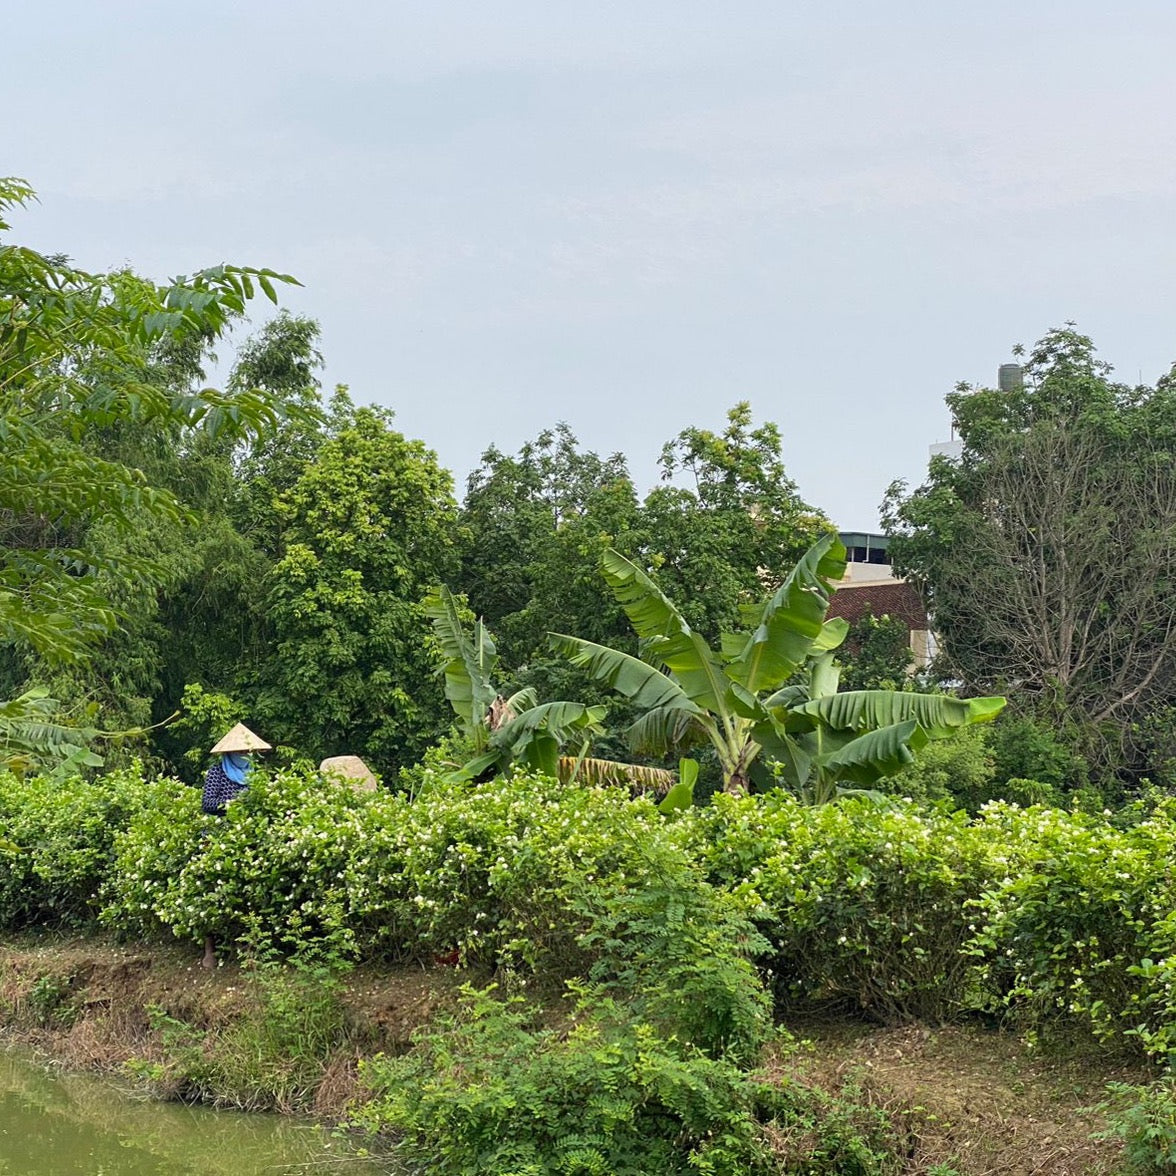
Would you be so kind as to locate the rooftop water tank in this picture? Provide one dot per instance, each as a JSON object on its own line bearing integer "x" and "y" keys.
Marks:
{"x": 1010, "y": 378}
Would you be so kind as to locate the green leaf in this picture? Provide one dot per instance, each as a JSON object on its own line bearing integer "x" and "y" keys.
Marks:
{"x": 792, "y": 620}
{"x": 641, "y": 683}
{"x": 832, "y": 635}
{"x": 937, "y": 714}
{"x": 794, "y": 760}
{"x": 681, "y": 796}
{"x": 469, "y": 661}
{"x": 666, "y": 729}
{"x": 557, "y": 720}
{"x": 877, "y": 754}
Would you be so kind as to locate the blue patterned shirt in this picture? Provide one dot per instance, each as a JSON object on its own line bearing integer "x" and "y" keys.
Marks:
{"x": 218, "y": 790}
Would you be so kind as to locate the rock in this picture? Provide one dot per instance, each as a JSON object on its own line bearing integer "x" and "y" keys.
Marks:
{"x": 349, "y": 769}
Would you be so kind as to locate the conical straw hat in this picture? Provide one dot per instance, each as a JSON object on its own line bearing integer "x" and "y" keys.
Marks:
{"x": 240, "y": 738}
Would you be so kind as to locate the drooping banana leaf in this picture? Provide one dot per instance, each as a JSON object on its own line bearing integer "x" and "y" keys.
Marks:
{"x": 666, "y": 729}
{"x": 791, "y": 620}
{"x": 641, "y": 683}
{"x": 557, "y": 720}
{"x": 601, "y": 771}
{"x": 875, "y": 755}
{"x": 937, "y": 714}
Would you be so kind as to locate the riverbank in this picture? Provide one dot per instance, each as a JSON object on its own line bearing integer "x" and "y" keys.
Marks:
{"x": 971, "y": 1100}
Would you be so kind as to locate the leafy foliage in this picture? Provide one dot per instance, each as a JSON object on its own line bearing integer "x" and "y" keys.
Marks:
{"x": 877, "y": 654}
{"x": 490, "y": 1094}
{"x": 754, "y": 697}
{"x": 716, "y": 545}
{"x": 1144, "y": 1118}
{"x": 31, "y": 738}
{"x": 63, "y": 830}
{"x": 865, "y": 906}
{"x": 367, "y": 528}
{"x": 75, "y": 357}
{"x": 1046, "y": 550}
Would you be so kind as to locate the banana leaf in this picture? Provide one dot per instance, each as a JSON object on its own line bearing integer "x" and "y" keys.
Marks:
{"x": 792, "y": 620}
{"x": 861, "y": 710}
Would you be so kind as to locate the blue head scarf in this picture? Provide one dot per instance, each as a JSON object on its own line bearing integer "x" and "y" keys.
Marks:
{"x": 236, "y": 766}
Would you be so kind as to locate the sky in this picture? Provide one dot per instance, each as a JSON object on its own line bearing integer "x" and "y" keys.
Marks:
{"x": 630, "y": 216}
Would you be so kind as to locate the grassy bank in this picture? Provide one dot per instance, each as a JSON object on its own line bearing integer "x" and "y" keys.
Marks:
{"x": 911, "y": 1099}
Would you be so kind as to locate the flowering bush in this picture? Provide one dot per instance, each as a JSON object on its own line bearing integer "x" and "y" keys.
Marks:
{"x": 905, "y": 911}
{"x": 491, "y": 870}
{"x": 63, "y": 831}
{"x": 1080, "y": 922}
{"x": 272, "y": 867}
{"x": 864, "y": 903}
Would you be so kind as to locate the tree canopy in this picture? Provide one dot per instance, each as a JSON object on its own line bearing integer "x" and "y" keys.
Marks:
{"x": 1046, "y": 550}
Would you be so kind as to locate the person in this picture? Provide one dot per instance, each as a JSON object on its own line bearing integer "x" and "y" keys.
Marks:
{"x": 226, "y": 780}
{"x": 229, "y": 776}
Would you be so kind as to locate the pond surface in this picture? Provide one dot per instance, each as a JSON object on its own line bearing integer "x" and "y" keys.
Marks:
{"x": 67, "y": 1125}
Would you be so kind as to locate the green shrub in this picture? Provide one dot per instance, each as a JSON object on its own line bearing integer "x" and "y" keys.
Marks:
{"x": 968, "y": 773}
{"x": 1025, "y": 749}
{"x": 1077, "y": 918}
{"x": 959, "y": 770}
{"x": 491, "y": 870}
{"x": 65, "y": 831}
{"x": 864, "y": 904}
{"x": 274, "y": 864}
{"x": 491, "y": 1092}
{"x": 679, "y": 952}
{"x": 1144, "y": 1118}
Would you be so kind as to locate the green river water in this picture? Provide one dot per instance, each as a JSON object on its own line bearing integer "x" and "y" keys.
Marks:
{"x": 65, "y": 1125}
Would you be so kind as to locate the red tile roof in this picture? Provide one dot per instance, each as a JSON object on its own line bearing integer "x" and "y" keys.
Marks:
{"x": 895, "y": 598}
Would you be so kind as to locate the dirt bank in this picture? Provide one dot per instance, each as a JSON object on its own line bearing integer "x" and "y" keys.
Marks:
{"x": 978, "y": 1102}
{"x": 106, "y": 1007}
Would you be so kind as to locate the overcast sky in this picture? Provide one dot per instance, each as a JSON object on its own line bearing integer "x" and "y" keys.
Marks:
{"x": 629, "y": 216}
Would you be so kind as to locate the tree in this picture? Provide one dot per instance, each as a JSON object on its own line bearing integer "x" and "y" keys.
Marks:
{"x": 367, "y": 528}
{"x": 1046, "y": 551}
{"x": 877, "y": 653}
{"x": 772, "y": 691}
{"x": 75, "y": 355}
{"x": 81, "y": 398}
{"x": 212, "y": 615}
{"x": 736, "y": 532}
{"x": 534, "y": 527}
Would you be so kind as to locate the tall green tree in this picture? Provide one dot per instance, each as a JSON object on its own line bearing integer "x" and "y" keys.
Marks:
{"x": 367, "y": 528}
{"x": 534, "y": 528}
{"x": 212, "y": 616}
{"x": 1046, "y": 551}
{"x": 90, "y": 393}
{"x": 737, "y": 526}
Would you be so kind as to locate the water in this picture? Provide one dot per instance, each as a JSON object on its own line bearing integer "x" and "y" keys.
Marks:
{"x": 65, "y": 1125}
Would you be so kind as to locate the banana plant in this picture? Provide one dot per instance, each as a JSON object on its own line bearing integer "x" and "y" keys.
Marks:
{"x": 32, "y": 740}
{"x": 503, "y": 731}
{"x": 770, "y": 692}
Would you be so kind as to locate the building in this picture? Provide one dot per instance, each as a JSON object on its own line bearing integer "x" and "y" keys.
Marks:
{"x": 870, "y": 586}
